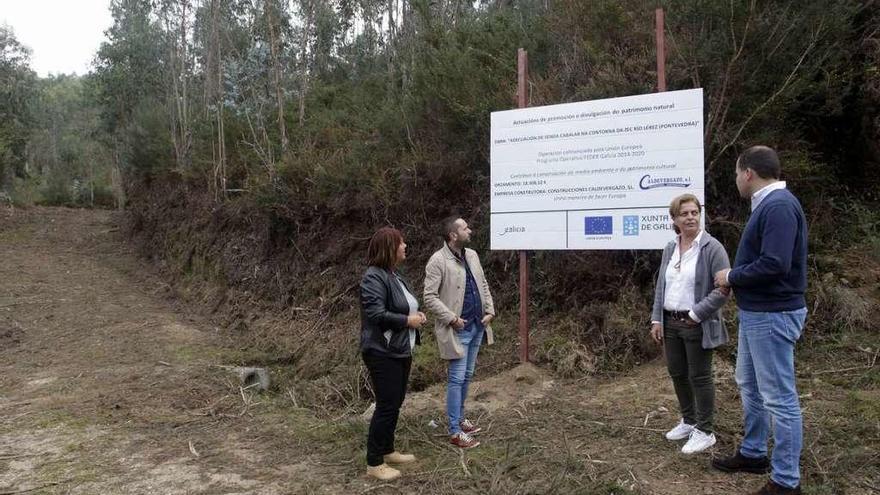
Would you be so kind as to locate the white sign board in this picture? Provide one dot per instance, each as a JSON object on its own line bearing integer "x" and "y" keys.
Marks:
{"x": 595, "y": 174}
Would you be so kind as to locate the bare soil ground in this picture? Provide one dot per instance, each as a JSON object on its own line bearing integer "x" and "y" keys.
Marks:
{"x": 109, "y": 385}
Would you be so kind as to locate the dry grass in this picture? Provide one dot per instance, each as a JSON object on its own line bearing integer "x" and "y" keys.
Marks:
{"x": 75, "y": 390}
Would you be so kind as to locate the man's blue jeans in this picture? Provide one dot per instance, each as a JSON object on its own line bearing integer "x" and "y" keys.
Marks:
{"x": 459, "y": 374}
{"x": 766, "y": 379}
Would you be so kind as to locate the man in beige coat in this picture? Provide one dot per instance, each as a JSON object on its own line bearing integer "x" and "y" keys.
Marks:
{"x": 457, "y": 294}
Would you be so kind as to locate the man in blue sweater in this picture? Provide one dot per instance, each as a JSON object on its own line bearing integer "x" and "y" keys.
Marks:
{"x": 769, "y": 278}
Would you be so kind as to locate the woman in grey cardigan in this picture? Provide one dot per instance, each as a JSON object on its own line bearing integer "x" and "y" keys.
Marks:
{"x": 687, "y": 320}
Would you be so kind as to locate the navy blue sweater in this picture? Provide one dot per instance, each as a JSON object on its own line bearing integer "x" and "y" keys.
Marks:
{"x": 770, "y": 270}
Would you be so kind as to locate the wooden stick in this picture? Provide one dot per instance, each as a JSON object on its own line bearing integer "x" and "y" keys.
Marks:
{"x": 384, "y": 485}
{"x": 33, "y": 489}
{"x": 854, "y": 368}
{"x": 192, "y": 448}
{"x": 463, "y": 463}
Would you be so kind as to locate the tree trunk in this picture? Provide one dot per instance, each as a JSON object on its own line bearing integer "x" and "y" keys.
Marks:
{"x": 390, "y": 48}
{"x": 308, "y": 14}
{"x": 180, "y": 132}
{"x": 185, "y": 134}
{"x": 116, "y": 176}
{"x": 276, "y": 72}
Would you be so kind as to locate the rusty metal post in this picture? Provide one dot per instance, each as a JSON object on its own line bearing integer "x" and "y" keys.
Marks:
{"x": 660, "y": 27}
{"x": 661, "y": 49}
{"x": 522, "y": 100}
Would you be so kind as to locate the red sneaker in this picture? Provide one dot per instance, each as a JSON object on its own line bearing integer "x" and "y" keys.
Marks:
{"x": 464, "y": 441}
{"x": 469, "y": 427}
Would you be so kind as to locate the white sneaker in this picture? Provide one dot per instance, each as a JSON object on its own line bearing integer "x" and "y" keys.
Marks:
{"x": 681, "y": 431}
{"x": 698, "y": 442}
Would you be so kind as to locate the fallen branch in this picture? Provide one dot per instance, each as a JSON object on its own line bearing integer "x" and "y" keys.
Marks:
{"x": 625, "y": 426}
{"x": 18, "y": 416}
{"x": 35, "y": 488}
{"x": 6, "y": 457}
{"x": 461, "y": 460}
{"x": 384, "y": 485}
{"x": 441, "y": 470}
{"x": 192, "y": 449}
{"x": 842, "y": 370}
{"x": 292, "y": 395}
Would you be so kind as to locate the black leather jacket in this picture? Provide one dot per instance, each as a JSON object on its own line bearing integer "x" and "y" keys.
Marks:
{"x": 384, "y": 307}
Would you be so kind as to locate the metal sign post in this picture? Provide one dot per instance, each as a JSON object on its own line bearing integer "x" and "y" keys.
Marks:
{"x": 522, "y": 91}
{"x": 661, "y": 50}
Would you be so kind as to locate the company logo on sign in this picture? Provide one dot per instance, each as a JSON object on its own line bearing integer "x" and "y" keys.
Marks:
{"x": 598, "y": 226}
{"x": 649, "y": 182}
{"x": 630, "y": 225}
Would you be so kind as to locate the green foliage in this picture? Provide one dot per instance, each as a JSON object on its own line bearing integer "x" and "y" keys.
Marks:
{"x": 65, "y": 156}
{"x": 287, "y": 120}
{"x": 245, "y": 132}
{"x": 17, "y": 89}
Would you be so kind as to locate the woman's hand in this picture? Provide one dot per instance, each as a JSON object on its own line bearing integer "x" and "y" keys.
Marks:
{"x": 416, "y": 320}
{"x": 657, "y": 332}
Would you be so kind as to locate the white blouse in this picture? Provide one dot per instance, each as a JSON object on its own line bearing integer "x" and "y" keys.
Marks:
{"x": 680, "y": 275}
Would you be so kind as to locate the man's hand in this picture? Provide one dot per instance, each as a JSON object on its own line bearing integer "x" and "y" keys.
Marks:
{"x": 657, "y": 332}
{"x": 458, "y": 324}
{"x": 487, "y": 319}
{"x": 721, "y": 278}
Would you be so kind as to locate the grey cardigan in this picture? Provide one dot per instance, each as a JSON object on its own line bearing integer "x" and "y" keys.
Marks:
{"x": 708, "y": 300}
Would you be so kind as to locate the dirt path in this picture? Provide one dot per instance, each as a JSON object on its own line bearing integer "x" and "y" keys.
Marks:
{"x": 108, "y": 386}
{"x": 103, "y": 385}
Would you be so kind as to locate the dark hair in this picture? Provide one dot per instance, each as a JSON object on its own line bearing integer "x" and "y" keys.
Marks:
{"x": 382, "y": 251}
{"x": 448, "y": 226}
{"x": 677, "y": 203}
{"x": 763, "y": 160}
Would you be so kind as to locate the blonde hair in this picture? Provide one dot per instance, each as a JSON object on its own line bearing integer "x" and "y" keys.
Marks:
{"x": 676, "y": 204}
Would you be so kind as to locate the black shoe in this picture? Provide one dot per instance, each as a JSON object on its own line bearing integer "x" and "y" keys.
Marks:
{"x": 772, "y": 488}
{"x": 739, "y": 463}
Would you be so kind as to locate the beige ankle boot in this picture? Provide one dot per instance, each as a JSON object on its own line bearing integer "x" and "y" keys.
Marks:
{"x": 383, "y": 472}
{"x": 398, "y": 458}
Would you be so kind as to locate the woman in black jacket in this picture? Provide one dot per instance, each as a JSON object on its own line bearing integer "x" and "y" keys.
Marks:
{"x": 390, "y": 319}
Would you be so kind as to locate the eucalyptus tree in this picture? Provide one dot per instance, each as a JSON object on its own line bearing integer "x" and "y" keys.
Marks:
{"x": 17, "y": 90}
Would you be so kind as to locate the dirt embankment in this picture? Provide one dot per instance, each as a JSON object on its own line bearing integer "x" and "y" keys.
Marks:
{"x": 279, "y": 279}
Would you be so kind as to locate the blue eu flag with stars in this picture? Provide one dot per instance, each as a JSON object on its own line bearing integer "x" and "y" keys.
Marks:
{"x": 597, "y": 225}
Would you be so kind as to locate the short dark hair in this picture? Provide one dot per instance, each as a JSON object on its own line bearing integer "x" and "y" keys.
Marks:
{"x": 763, "y": 160}
{"x": 382, "y": 251}
{"x": 448, "y": 226}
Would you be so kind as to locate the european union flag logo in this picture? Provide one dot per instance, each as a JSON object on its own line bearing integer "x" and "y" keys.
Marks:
{"x": 597, "y": 226}
{"x": 630, "y": 225}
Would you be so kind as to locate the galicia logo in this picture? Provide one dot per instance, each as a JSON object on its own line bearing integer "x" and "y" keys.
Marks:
{"x": 649, "y": 182}
{"x": 512, "y": 229}
{"x": 630, "y": 225}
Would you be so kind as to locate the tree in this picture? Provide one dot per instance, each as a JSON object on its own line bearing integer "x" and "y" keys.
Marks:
{"x": 17, "y": 90}
{"x": 129, "y": 70}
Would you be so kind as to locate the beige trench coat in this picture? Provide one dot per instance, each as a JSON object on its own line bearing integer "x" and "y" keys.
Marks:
{"x": 444, "y": 297}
